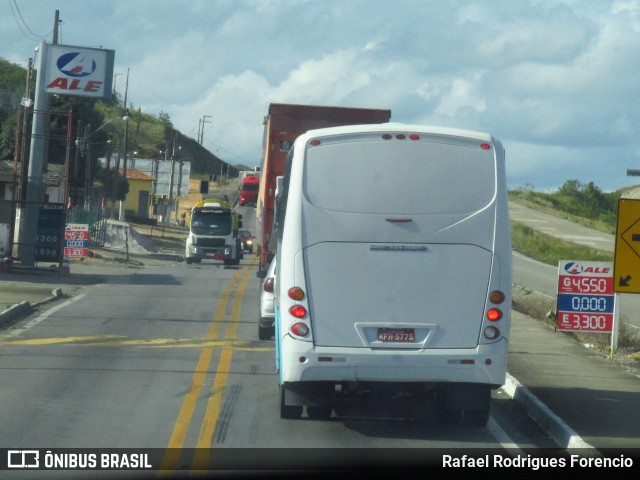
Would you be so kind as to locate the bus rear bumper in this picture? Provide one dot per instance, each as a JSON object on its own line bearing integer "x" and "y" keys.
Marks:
{"x": 302, "y": 362}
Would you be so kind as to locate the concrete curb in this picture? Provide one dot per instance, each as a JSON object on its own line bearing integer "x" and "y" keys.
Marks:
{"x": 26, "y": 308}
{"x": 15, "y": 311}
{"x": 564, "y": 435}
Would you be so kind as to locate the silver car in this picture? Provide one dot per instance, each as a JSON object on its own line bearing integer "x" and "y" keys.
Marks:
{"x": 267, "y": 315}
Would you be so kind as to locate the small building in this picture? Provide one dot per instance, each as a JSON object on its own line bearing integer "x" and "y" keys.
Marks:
{"x": 138, "y": 201}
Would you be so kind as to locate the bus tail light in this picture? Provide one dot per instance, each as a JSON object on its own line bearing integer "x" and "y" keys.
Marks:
{"x": 298, "y": 311}
{"x": 491, "y": 332}
{"x": 296, "y": 293}
{"x": 497, "y": 297}
{"x": 299, "y": 329}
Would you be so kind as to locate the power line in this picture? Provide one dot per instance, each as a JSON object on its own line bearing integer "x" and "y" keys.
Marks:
{"x": 12, "y": 4}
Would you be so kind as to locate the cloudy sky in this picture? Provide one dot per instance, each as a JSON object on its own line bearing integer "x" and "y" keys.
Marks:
{"x": 556, "y": 80}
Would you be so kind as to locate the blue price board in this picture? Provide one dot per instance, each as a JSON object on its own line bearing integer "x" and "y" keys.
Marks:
{"x": 569, "y": 302}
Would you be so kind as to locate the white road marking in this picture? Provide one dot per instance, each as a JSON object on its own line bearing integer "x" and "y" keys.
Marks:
{"x": 17, "y": 331}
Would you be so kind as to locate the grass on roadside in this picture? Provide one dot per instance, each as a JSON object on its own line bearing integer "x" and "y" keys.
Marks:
{"x": 551, "y": 250}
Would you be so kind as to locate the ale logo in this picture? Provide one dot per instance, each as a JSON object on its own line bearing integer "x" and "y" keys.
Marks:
{"x": 76, "y": 64}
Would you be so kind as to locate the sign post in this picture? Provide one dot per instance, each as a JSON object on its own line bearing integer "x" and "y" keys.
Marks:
{"x": 586, "y": 299}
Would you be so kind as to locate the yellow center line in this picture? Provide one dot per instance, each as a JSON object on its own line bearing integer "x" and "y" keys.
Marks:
{"x": 222, "y": 306}
{"x": 170, "y": 460}
{"x": 58, "y": 340}
{"x": 205, "y": 440}
{"x": 237, "y": 306}
{"x": 212, "y": 412}
{"x": 122, "y": 341}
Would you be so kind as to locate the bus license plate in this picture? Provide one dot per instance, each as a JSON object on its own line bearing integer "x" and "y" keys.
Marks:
{"x": 396, "y": 335}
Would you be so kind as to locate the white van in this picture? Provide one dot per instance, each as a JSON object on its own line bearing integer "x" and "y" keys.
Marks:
{"x": 394, "y": 268}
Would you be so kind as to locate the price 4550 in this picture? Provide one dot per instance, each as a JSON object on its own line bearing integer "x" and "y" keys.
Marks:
{"x": 586, "y": 285}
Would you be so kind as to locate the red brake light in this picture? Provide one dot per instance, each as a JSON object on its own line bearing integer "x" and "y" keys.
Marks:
{"x": 414, "y": 137}
{"x": 298, "y": 311}
{"x": 494, "y": 314}
{"x": 485, "y": 146}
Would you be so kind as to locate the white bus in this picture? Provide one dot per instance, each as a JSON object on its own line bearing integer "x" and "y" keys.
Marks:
{"x": 394, "y": 269}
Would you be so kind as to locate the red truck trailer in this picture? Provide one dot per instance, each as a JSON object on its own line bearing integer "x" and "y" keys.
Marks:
{"x": 249, "y": 186}
{"x": 282, "y": 125}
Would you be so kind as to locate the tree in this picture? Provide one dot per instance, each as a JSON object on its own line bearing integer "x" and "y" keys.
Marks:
{"x": 106, "y": 179}
{"x": 12, "y": 86}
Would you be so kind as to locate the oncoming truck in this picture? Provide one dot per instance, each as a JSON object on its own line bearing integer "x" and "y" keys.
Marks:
{"x": 282, "y": 125}
{"x": 213, "y": 233}
{"x": 249, "y": 186}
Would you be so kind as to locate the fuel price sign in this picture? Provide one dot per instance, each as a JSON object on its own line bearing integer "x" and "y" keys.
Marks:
{"x": 76, "y": 240}
{"x": 585, "y": 296}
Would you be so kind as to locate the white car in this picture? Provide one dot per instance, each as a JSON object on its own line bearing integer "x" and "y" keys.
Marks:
{"x": 266, "y": 322}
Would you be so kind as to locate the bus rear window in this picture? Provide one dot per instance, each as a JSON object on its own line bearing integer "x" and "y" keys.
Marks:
{"x": 399, "y": 177}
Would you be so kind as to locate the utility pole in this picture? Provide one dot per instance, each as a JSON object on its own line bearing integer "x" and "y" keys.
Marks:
{"x": 121, "y": 216}
{"x": 201, "y": 129}
{"x": 56, "y": 22}
{"x": 87, "y": 168}
{"x": 170, "y": 206}
{"x": 76, "y": 163}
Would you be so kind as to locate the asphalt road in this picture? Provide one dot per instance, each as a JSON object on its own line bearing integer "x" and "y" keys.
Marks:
{"x": 169, "y": 356}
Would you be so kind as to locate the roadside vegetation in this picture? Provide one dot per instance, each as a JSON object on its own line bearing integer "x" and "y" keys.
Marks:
{"x": 581, "y": 203}
{"x": 587, "y": 205}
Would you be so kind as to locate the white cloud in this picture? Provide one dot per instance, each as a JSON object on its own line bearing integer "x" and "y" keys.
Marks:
{"x": 556, "y": 80}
